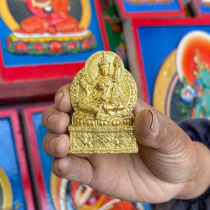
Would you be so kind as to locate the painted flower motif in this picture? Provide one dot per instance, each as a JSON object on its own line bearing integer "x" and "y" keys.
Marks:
{"x": 188, "y": 94}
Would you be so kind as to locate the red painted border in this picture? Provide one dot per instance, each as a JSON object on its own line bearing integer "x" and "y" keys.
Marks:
{"x": 13, "y": 115}
{"x": 35, "y": 154}
{"x": 125, "y": 14}
{"x": 52, "y": 71}
{"x": 156, "y": 23}
{"x": 37, "y": 72}
{"x": 102, "y": 27}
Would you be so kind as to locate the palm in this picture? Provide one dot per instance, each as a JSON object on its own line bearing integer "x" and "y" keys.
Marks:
{"x": 126, "y": 176}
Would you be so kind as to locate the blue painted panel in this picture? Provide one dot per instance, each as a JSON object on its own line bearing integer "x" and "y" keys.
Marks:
{"x": 151, "y": 7}
{"x": 9, "y": 162}
{"x": 156, "y": 44}
{"x": 204, "y": 8}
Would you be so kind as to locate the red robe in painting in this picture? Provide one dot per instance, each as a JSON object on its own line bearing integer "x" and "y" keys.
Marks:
{"x": 54, "y": 21}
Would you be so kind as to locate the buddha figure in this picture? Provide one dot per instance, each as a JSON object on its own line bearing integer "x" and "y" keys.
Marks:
{"x": 103, "y": 97}
{"x": 202, "y": 75}
{"x": 49, "y": 16}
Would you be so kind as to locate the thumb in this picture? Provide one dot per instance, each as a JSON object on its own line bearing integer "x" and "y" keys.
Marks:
{"x": 154, "y": 129}
{"x": 147, "y": 128}
{"x": 164, "y": 147}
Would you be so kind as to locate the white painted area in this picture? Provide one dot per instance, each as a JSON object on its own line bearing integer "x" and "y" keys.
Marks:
{"x": 206, "y": 1}
{"x": 48, "y": 35}
{"x": 62, "y": 194}
{"x": 48, "y": 9}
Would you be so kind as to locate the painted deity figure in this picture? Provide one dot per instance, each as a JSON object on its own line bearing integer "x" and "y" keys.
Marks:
{"x": 103, "y": 96}
{"x": 202, "y": 74}
{"x": 86, "y": 198}
{"x": 49, "y": 16}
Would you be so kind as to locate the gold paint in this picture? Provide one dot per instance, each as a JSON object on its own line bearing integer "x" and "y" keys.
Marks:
{"x": 157, "y": 92}
{"x": 86, "y": 14}
{"x": 7, "y": 16}
{"x": 162, "y": 82}
{"x": 12, "y": 24}
{"x": 166, "y": 73}
{"x": 7, "y": 190}
{"x": 103, "y": 95}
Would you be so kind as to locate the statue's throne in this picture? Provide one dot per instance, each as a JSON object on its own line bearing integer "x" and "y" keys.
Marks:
{"x": 109, "y": 134}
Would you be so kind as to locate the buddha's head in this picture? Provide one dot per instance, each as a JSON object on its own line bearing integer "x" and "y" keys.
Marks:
{"x": 104, "y": 66}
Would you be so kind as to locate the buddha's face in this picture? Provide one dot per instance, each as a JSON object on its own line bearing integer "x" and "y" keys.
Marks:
{"x": 104, "y": 68}
{"x": 41, "y": 3}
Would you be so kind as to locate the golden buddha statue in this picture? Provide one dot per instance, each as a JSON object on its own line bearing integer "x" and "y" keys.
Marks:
{"x": 103, "y": 95}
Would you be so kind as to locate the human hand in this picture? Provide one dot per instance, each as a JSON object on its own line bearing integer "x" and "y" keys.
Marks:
{"x": 167, "y": 165}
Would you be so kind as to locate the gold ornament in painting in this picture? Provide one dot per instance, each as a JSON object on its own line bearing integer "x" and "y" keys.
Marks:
{"x": 103, "y": 95}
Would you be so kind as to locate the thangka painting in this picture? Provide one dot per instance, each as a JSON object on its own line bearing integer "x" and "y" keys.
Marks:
{"x": 15, "y": 187}
{"x": 48, "y": 39}
{"x": 174, "y": 59}
{"x": 57, "y": 193}
{"x": 150, "y": 8}
{"x": 202, "y": 7}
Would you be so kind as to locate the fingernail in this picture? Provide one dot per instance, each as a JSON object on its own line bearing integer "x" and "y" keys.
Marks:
{"x": 154, "y": 127}
{"x": 52, "y": 145}
{"x": 50, "y": 121}
{"x": 58, "y": 98}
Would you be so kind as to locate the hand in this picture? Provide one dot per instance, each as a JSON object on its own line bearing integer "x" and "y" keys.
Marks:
{"x": 167, "y": 165}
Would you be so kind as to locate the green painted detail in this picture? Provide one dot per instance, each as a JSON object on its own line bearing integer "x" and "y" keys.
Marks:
{"x": 114, "y": 31}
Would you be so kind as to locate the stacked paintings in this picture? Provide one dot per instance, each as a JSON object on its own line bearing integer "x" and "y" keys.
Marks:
{"x": 148, "y": 8}
{"x": 15, "y": 186}
{"x": 171, "y": 64}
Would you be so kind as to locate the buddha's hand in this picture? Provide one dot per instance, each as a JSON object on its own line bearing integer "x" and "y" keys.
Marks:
{"x": 167, "y": 165}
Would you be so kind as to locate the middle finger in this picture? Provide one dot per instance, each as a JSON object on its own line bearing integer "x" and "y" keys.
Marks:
{"x": 55, "y": 121}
